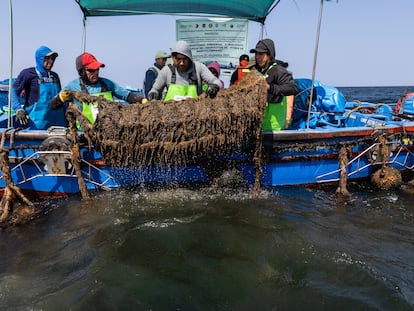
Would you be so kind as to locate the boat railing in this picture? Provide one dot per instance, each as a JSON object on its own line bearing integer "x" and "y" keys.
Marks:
{"x": 364, "y": 160}
{"x": 63, "y": 159}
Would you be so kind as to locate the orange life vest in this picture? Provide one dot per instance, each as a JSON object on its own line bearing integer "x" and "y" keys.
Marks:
{"x": 242, "y": 70}
{"x": 400, "y": 102}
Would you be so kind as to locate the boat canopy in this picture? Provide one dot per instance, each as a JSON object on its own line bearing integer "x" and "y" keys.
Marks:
{"x": 256, "y": 10}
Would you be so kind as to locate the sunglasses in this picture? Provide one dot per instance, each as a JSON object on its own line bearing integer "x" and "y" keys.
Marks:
{"x": 91, "y": 70}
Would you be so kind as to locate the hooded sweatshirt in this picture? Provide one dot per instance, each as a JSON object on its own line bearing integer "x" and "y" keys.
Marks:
{"x": 196, "y": 72}
{"x": 216, "y": 66}
{"x": 27, "y": 84}
{"x": 279, "y": 78}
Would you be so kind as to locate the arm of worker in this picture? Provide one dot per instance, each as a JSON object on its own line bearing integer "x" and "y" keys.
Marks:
{"x": 282, "y": 83}
{"x": 164, "y": 76}
{"x": 122, "y": 93}
{"x": 149, "y": 81}
{"x": 15, "y": 100}
{"x": 60, "y": 99}
{"x": 135, "y": 98}
{"x": 214, "y": 83}
{"x": 234, "y": 76}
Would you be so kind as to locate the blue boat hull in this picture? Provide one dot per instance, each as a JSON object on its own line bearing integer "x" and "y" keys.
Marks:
{"x": 289, "y": 157}
{"x": 285, "y": 163}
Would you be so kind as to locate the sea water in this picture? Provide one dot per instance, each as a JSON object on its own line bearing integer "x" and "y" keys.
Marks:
{"x": 291, "y": 248}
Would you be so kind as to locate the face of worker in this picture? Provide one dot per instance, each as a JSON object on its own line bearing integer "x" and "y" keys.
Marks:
{"x": 182, "y": 62}
{"x": 262, "y": 59}
{"x": 161, "y": 61}
{"x": 92, "y": 75}
{"x": 48, "y": 62}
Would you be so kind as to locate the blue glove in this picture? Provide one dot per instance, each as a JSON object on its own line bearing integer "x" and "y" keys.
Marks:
{"x": 212, "y": 91}
{"x": 22, "y": 117}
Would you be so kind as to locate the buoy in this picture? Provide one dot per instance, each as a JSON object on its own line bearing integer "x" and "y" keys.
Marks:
{"x": 387, "y": 178}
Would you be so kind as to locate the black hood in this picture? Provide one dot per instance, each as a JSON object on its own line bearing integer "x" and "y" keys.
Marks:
{"x": 265, "y": 46}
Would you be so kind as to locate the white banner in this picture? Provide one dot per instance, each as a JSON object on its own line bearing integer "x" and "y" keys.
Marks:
{"x": 215, "y": 39}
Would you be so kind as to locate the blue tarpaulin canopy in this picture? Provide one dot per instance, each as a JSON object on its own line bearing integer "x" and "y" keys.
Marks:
{"x": 254, "y": 10}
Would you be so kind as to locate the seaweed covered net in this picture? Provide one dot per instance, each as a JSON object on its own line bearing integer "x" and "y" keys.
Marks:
{"x": 177, "y": 132}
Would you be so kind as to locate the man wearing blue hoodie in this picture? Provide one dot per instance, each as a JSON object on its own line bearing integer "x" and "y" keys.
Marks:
{"x": 38, "y": 85}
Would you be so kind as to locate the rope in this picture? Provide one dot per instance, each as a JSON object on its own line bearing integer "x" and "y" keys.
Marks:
{"x": 386, "y": 177}
{"x": 342, "y": 191}
{"x": 76, "y": 158}
{"x": 11, "y": 191}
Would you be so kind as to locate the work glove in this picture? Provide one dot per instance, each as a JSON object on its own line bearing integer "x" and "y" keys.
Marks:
{"x": 134, "y": 98}
{"x": 212, "y": 91}
{"x": 153, "y": 95}
{"x": 65, "y": 96}
{"x": 22, "y": 117}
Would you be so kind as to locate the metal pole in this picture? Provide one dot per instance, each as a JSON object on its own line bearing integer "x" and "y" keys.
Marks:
{"x": 84, "y": 35}
{"x": 314, "y": 61}
{"x": 9, "y": 103}
{"x": 261, "y": 31}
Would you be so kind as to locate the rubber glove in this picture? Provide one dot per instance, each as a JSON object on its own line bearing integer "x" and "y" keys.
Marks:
{"x": 22, "y": 117}
{"x": 65, "y": 96}
{"x": 153, "y": 95}
{"x": 212, "y": 91}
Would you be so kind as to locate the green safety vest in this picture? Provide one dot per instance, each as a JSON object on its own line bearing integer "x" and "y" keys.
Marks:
{"x": 274, "y": 118}
{"x": 180, "y": 92}
{"x": 90, "y": 110}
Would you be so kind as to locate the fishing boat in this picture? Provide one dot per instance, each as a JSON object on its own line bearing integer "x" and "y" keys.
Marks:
{"x": 341, "y": 141}
{"x": 361, "y": 140}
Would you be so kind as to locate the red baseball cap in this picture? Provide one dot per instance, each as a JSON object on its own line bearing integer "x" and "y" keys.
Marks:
{"x": 88, "y": 61}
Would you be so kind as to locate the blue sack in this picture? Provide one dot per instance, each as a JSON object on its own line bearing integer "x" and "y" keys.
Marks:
{"x": 328, "y": 105}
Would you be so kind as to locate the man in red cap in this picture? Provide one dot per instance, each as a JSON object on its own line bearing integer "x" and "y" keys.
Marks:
{"x": 89, "y": 82}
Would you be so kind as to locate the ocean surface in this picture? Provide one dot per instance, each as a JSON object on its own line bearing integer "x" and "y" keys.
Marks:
{"x": 374, "y": 94}
{"x": 291, "y": 248}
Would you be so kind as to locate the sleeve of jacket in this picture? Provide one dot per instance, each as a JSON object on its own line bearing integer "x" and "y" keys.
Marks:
{"x": 162, "y": 81}
{"x": 234, "y": 76}
{"x": 73, "y": 85}
{"x": 149, "y": 80}
{"x": 17, "y": 89}
{"x": 15, "y": 100}
{"x": 18, "y": 84}
{"x": 117, "y": 90}
{"x": 281, "y": 83}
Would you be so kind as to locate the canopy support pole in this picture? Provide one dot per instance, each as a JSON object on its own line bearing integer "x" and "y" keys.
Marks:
{"x": 84, "y": 35}
{"x": 261, "y": 31}
{"x": 315, "y": 57}
{"x": 9, "y": 102}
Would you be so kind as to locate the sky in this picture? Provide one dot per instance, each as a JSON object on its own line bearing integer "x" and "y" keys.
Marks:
{"x": 362, "y": 42}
